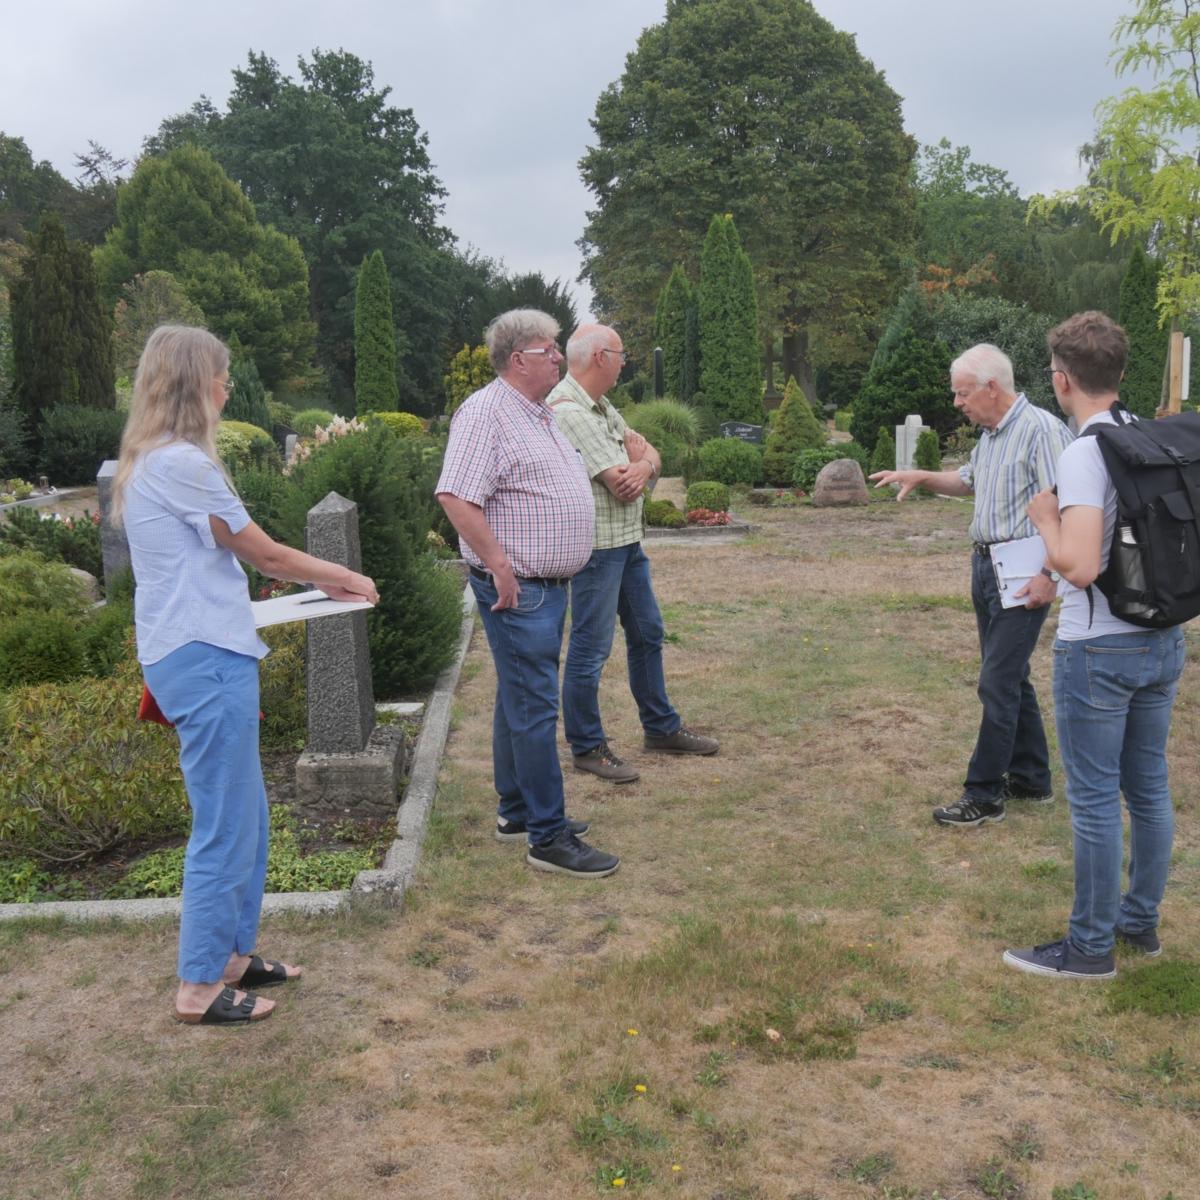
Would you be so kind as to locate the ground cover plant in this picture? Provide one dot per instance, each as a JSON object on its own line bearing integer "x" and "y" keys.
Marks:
{"x": 791, "y": 989}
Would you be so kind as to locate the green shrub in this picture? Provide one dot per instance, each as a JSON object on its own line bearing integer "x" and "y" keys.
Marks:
{"x": 76, "y": 441}
{"x": 842, "y": 419}
{"x": 283, "y": 694}
{"x": 15, "y": 458}
{"x": 708, "y": 494}
{"x": 248, "y": 402}
{"x": 22, "y": 881}
{"x": 241, "y": 445}
{"x": 74, "y": 541}
{"x": 40, "y": 647}
{"x": 927, "y": 455}
{"x": 672, "y": 428}
{"x": 107, "y": 636}
{"x": 264, "y": 491}
{"x": 414, "y": 629}
{"x": 289, "y": 867}
{"x": 80, "y": 774}
{"x": 29, "y": 583}
{"x": 308, "y": 420}
{"x": 406, "y": 424}
{"x": 730, "y": 460}
{"x": 663, "y": 515}
{"x": 883, "y": 457}
{"x": 810, "y": 462}
{"x": 281, "y": 414}
{"x": 793, "y": 428}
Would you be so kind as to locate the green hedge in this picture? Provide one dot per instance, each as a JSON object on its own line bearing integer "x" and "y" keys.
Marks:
{"x": 663, "y": 514}
{"x": 730, "y": 460}
{"x": 708, "y": 494}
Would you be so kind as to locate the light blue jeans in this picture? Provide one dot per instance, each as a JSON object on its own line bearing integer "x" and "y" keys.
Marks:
{"x": 614, "y": 584}
{"x": 1113, "y": 697}
{"x": 211, "y": 696}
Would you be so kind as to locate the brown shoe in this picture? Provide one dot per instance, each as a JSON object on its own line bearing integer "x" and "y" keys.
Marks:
{"x": 683, "y": 741}
{"x": 603, "y": 762}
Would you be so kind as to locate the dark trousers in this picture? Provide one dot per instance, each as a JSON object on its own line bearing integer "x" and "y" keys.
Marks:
{"x": 1012, "y": 740}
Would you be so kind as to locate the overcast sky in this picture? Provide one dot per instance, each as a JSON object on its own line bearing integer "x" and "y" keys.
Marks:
{"x": 505, "y": 88}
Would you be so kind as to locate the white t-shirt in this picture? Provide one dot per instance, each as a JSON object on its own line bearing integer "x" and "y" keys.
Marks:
{"x": 1083, "y": 479}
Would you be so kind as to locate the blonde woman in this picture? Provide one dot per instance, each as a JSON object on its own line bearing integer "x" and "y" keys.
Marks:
{"x": 199, "y": 654}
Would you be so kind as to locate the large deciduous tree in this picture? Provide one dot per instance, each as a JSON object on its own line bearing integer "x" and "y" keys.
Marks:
{"x": 148, "y": 301}
{"x": 326, "y": 159}
{"x": 182, "y": 214}
{"x": 759, "y": 108}
{"x": 375, "y": 387}
{"x": 1145, "y": 181}
{"x": 62, "y": 335}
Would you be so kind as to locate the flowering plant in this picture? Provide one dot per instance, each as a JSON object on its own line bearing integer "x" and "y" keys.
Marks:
{"x": 705, "y": 516}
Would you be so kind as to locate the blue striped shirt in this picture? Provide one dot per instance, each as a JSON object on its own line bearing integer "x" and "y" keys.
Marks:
{"x": 1009, "y": 466}
{"x": 189, "y": 589}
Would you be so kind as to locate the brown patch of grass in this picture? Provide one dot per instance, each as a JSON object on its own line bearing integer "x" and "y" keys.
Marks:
{"x": 478, "y": 1044}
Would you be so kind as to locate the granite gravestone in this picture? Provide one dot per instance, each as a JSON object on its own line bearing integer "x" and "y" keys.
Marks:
{"x": 114, "y": 549}
{"x": 742, "y": 430}
{"x": 906, "y": 441}
{"x": 840, "y": 483}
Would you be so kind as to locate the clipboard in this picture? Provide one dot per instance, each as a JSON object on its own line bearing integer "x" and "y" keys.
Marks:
{"x": 302, "y": 606}
{"x": 1016, "y": 563}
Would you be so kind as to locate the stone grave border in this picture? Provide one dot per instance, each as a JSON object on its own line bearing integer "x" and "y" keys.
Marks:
{"x": 734, "y": 531}
{"x": 387, "y": 883}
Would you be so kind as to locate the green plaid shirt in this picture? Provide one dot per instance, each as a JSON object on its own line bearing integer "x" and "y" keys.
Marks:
{"x": 597, "y": 431}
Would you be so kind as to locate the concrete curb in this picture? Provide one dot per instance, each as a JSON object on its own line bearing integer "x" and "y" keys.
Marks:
{"x": 387, "y": 883}
{"x": 733, "y": 532}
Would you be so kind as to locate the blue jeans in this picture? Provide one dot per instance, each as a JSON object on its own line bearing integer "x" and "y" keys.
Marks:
{"x": 211, "y": 696}
{"x": 614, "y": 583}
{"x": 526, "y": 642}
{"x": 1012, "y": 739}
{"x": 1113, "y": 697}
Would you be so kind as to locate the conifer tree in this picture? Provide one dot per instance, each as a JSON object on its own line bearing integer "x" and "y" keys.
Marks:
{"x": 670, "y": 329}
{"x": 1141, "y": 388}
{"x": 927, "y": 454}
{"x": 793, "y": 429}
{"x": 728, "y": 308}
{"x": 690, "y": 372}
{"x": 62, "y": 338}
{"x": 913, "y": 380}
{"x": 884, "y": 456}
{"x": 248, "y": 401}
{"x": 375, "y": 387}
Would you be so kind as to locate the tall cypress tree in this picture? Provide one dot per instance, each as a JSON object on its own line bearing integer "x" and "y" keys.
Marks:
{"x": 689, "y": 376}
{"x": 670, "y": 329}
{"x": 1141, "y": 389}
{"x": 62, "y": 338}
{"x": 729, "y": 373}
{"x": 375, "y": 387}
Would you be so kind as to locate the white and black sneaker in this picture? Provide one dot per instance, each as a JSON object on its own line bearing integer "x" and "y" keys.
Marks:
{"x": 970, "y": 811}
{"x": 1018, "y": 791}
{"x": 514, "y": 831}
{"x": 1061, "y": 960}
{"x": 567, "y": 854}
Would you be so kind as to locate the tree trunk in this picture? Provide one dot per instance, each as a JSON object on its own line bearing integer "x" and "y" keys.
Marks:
{"x": 796, "y": 364}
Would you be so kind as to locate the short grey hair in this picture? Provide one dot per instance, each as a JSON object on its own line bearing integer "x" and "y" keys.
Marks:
{"x": 986, "y": 364}
{"x": 514, "y": 330}
{"x": 585, "y": 342}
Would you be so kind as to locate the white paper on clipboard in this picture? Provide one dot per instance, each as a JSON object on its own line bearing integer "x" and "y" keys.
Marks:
{"x": 302, "y": 606}
{"x": 1015, "y": 564}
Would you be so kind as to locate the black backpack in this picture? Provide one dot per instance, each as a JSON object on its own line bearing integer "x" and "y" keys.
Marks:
{"x": 1153, "y": 574}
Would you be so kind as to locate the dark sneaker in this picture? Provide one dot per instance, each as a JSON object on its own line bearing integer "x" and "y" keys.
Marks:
{"x": 1146, "y": 941}
{"x": 603, "y": 762}
{"x": 567, "y": 854}
{"x": 514, "y": 831}
{"x": 968, "y": 811}
{"x": 1018, "y": 791}
{"x": 1061, "y": 960}
{"x": 682, "y": 741}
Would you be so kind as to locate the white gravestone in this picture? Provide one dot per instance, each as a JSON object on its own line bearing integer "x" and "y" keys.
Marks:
{"x": 906, "y": 441}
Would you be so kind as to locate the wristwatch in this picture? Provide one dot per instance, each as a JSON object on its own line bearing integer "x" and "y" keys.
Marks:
{"x": 1053, "y": 576}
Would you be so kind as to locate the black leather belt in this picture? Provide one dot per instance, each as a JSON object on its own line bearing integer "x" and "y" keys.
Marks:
{"x": 540, "y": 580}
{"x": 984, "y": 548}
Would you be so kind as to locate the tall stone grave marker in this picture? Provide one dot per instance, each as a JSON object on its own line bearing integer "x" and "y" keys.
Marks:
{"x": 114, "y": 549}
{"x": 906, "y": 441}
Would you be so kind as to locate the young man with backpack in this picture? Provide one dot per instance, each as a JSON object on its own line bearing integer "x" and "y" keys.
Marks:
{"x": 1114, "y": 681}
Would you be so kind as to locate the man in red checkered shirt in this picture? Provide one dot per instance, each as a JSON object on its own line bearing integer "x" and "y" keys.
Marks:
{"x": 519, "y": 495}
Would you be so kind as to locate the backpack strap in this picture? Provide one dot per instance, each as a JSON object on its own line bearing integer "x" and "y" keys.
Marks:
{"x": 1121, "y": 416}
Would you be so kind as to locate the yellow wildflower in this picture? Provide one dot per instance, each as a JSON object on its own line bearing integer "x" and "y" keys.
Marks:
{"x": 632, "y": 1032}
{"x": 639, "y": 1087}
{"x": 618, "y": 1182}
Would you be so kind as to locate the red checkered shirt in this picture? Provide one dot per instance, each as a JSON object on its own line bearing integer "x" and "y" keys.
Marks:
{"x": 507, "y": 455}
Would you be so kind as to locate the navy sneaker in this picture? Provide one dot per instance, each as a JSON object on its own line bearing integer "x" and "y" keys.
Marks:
{"x": 1146, "y": 941}
{"x": 514, "y": 831}
{"x": 1018, "y": 791}
{"x": 1060, "y": 960}
{"x": 565, "y": 853}
{"x": 969, "y": 811}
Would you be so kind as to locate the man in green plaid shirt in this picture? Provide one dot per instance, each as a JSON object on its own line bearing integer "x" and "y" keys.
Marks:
{"x": 615, "y": 583}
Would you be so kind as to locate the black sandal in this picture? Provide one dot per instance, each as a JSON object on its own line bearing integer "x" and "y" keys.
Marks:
{"x": 263, "y": 974}
{"x": 223, "y": 1011}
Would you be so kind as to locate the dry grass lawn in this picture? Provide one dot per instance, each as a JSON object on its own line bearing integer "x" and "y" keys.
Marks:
{"x": 792, "y": 989}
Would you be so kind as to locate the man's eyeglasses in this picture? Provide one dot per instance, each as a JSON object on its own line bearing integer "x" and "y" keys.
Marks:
{"x": 1050, "y": 372}
{"x": 227, "y": 387}
{"x": 553, "y": 351}
{"x": 623, "y": 353}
